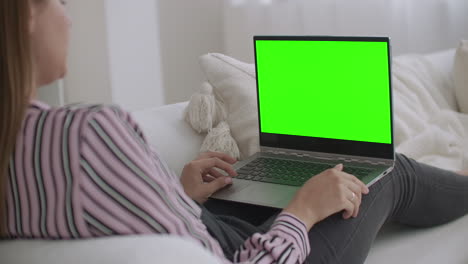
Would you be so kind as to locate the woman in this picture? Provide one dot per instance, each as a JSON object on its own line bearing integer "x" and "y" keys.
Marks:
{"x": 87, "y": 171}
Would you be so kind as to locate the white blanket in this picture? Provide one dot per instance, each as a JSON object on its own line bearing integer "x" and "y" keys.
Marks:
{"x": 428, "y": 127}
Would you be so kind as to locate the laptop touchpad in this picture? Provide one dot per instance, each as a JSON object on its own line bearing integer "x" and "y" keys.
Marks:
{"x": 267, "y": 194}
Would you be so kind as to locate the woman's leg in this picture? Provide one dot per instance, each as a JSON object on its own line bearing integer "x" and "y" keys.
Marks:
{"x": 231, "y": 223}
{"x": 254, "y": 214}
{"x": 413, "y": 194}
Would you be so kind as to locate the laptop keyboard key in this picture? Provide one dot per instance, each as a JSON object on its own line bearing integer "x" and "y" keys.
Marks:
{"x": 289, "y": 172}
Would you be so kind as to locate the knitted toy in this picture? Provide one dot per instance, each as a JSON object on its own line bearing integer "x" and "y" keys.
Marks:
{"x": 206, "y": 114}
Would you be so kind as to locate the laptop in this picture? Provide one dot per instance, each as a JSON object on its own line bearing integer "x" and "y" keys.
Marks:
{"x": 322, "y": 100}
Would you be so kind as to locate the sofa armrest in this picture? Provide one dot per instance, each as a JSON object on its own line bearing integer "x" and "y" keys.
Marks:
{"x": 172, "y": 137}
{"x": 111, "y": 250}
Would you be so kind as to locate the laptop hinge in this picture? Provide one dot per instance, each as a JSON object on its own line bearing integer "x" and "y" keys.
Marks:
{"x": 327, "y": 156}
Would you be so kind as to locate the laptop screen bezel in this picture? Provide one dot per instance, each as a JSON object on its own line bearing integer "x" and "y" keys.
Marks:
{"x": 326, "y": 145}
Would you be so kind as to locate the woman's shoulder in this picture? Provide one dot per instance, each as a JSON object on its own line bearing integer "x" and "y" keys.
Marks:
{"x": 73, "y": 116}
{"x": 38, "y": 107}
{"x": 71, "y": 123}
{"x": 47, "y": 156}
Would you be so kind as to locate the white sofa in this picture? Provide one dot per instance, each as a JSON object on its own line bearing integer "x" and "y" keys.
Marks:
{"x": 178, "y": 143}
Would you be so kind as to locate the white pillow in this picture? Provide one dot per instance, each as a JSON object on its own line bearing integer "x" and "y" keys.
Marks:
{"x": 234, "y": 84}
{"x": 461, "y": 76}
{"x": 419, "y": 104}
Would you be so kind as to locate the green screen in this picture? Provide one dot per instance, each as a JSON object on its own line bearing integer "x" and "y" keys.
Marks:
{"x": 325, "y": 89}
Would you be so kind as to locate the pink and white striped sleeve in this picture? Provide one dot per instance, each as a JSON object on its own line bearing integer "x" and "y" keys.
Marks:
{"x": 286, "y": 242}
{"x": 127, "y": 190}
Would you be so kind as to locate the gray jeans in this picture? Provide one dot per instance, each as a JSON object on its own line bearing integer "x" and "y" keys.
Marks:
{"x": 413, "y": 194}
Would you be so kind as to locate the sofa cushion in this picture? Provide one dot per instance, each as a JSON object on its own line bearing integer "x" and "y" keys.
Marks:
{"x": 424, "y": 101}
{"x": 169, "y": 134}
{"x": 461, "y": 76}
{"x": 402, "y": 244}
{"x": 442, "y": 64}
{"x": 234, "y": 84}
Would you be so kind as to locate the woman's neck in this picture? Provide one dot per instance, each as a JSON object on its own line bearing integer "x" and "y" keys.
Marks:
{"x": 33, "y": 95}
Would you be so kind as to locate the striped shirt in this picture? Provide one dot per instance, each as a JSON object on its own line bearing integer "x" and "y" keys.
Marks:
{"x": 85, "y": 171}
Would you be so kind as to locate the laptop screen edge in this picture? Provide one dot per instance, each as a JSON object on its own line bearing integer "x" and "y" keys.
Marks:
{"x": 326, "y": 145}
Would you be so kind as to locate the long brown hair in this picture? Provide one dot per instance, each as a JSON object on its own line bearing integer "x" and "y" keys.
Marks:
{"x": 16, "y": 82}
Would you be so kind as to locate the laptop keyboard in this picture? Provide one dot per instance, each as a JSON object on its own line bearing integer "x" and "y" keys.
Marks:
{"x": 289, "y": 172}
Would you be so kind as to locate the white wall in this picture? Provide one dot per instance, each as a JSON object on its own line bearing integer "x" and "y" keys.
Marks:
{"x": 52, "y": 94}
{"x": 188, "y": 29}
{"x": 140, "y": 53}
{"x": 414, "y": 25}
{"x": 114, "y": 54}
{"x": 144, "y": 53}
{"x": 88, "y": 78}
{"x": 134, "y": 53}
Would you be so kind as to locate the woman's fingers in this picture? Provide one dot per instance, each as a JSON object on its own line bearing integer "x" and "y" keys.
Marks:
{"x": 352, "y": 196}
{"x": 201, "y": 178}
{"x": 356, "y": 200}
{"x": 208, "y": 164}
{"x": 364, "y": 188}
{"x": 208, "y": 178}
{"x": 348, "y": 209}
{"x": 353, "y": 191}
{"x": 209, "y": 188}
{"x": 215, "y": 173}
{"x": 352, "y": 206}
{"x": 355, "y": 196}
{"x": 219, "y": 155}
{"x": 212, "y": 174}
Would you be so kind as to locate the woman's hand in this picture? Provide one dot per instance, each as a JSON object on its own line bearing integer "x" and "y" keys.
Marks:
{"x": 327, "y": 193}
{"x": 201, "y": 177}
